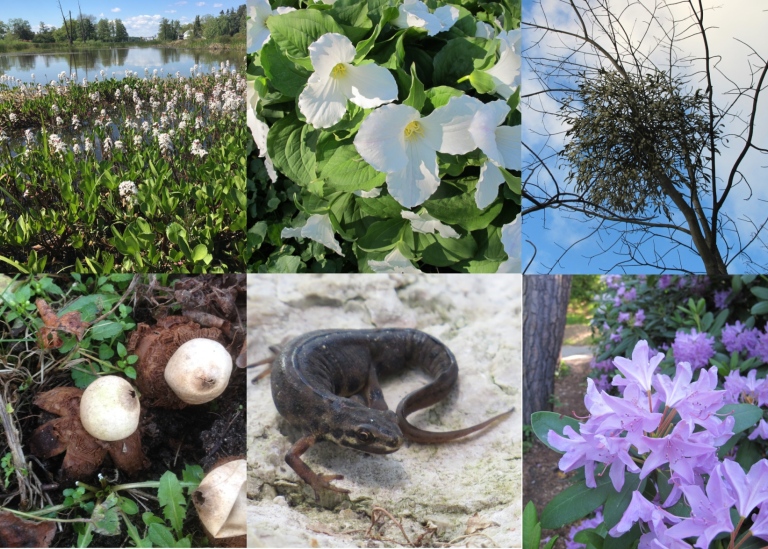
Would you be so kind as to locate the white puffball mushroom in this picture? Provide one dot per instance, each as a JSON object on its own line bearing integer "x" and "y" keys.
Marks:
{"x": 220, "y": 500}
{"x": 199, "y": 370}
{"x": 109, "y": 409}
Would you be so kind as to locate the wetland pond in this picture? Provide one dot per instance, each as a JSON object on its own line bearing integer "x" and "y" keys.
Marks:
{"x": 42, "y": 67}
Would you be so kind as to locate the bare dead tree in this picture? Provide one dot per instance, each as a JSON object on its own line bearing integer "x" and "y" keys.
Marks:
{"x": 66, "y": 28}
{"x": 624, "y": 91}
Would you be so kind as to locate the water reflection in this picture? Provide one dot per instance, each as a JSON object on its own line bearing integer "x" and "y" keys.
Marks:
{"x": 114, "y": 61}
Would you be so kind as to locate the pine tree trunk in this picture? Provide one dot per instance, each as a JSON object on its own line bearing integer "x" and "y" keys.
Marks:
{"x": 545, "y": 300}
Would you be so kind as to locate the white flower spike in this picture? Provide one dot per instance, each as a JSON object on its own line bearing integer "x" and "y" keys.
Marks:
{"x": 501, "y": 144}
{"x": 414, "y": 13}
{"x": 257, "y": 33}
{"x": 506, "y": 72}
{"x": 323, "y": 101}
{"x": 396, "y": 140}
{"x": 422, "y": 222}
{"x": 394, "y": 262}
{"x": 318, "y": 228}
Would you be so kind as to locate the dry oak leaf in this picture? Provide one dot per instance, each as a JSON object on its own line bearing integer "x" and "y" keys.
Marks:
{"x": 84, "y": 453}
{"x": 17, "y": 532}
{"x": 70, "y": 323}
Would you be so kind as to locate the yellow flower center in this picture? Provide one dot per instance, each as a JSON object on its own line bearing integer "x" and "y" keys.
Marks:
{"x": 413, "y": 130}
{"x": 339, "y": 70}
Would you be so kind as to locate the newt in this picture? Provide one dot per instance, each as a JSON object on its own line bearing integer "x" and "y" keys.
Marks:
{"x": 327, "y": 383}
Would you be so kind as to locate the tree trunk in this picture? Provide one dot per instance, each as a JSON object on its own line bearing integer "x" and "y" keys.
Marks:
{"x": 545, "y": 300}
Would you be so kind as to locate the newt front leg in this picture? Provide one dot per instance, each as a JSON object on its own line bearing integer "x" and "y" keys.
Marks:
{"x": 317, "y": 482}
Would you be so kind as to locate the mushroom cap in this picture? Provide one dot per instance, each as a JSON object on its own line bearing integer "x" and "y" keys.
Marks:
{"x": 109, "y": 409}
{"x": 199, "y": 370}
{"x": 220, "y": 500}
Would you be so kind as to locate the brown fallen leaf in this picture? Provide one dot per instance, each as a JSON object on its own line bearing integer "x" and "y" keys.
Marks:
{"x": 17, "y": 532}
{"x": 70, "y": 323}
{"x": 477, "y": 523}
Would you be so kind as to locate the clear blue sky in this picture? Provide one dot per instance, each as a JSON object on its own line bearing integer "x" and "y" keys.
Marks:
{"x": 140, "y": 17}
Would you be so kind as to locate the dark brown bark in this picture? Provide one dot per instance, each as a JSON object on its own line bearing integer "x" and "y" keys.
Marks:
{"x": 545, "y": 300}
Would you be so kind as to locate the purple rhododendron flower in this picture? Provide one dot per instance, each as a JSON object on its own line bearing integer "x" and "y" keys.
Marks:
{"x": 737, "y": 338}
{"x": 721, "y": 298}
{"x": 710, "y": 513}
{"x": 642, "y": 509}
{"x": 760, "y": 431}
{"x": 593, "y": 522}
{"x": 664, "y": 282}
{"x": 639, "y": 318}
{"x": 761, "y": 348}
{"x": 747, "y": 388}
{"x": 760, "y": 522}
{"x": 623, "y": 317}
{"x": 640, "y": 369}
{"x": 749, "y": 489}
{"x": 695, "y": 348}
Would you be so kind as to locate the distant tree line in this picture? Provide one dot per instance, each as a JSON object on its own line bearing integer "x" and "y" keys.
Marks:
{"x": 84, "y": 28}
{"x": 228, "y": 23}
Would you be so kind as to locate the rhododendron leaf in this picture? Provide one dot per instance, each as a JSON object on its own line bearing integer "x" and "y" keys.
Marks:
{"x": 575, "y": 502}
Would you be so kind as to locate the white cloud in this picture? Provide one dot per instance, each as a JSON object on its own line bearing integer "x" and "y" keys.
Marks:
{"x": 142, "y": 25}
{"x": 218, "y": 5}
{"x": 170, "y": 11}
{"x": 200, "y": 4}
{"x": 115, "y": 10}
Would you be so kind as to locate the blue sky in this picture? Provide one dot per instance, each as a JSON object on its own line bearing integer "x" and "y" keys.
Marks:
{"x": 140, "y": 17}
{"x": 546, "y": 235}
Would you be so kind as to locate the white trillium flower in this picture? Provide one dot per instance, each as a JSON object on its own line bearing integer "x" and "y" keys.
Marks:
{"x": 257, "y": 32}
{"x": 396, "y": 140}
{"x": 318, "y": 228}
{"x": 484, "y": 30}
{"x": 506, "y": 72}
{"x": 422, "y": 222}
{"x": 259, "y": 130}
{"x": 394, "y": 262}
{"x": 324, "y": 99}
{"x": 512, "y": 240}
{"x": 501, "y": 144}
{"x": 373, "y": 193}
{"x": 414, "y": 13}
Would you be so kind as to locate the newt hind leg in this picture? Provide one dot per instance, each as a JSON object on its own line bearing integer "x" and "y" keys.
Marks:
{"x": 317, "y": 482}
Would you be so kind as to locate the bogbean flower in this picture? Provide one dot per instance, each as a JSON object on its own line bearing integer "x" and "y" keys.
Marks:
{"x": 256, "y": 25}
{"x": 128, "y": 192}
{"x": 415, "y": 13}
{"x": 396, "y": 140}
{"x": 506, "y": 72}
{"x": 197, "y": 149}
{"x": 323, "y": 101}
{"x": 318, "y": 228}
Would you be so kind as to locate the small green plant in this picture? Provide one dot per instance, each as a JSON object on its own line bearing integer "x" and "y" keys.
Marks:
{"x": 6, "y": 464}
{"x": 532, "y": 529}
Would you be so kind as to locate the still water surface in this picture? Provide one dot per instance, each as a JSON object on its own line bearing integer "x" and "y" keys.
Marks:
{"x": 113, "y": 61}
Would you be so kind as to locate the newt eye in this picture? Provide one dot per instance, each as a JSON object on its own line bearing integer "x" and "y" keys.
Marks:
{"x": 364, "y": 435}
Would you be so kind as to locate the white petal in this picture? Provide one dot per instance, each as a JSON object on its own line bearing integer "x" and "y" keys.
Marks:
{"x": 512, "y": 239}
{"x": 371, "y": 85}
{"x": 318, "y": 227}
{"x": 394, "y": 262}
{"x": 252, "y": 96}
{"x": 283, "y": 9}
{"x": 483, "y": 129}
{"x": 322, "y": 102}
{"x": 454, "y": 120}
{"x": 422, "y": 222}
{"x": 484, "y": 30}
{"x": 259, "y": 130}
{"x": 380, "y": 140}
{"x": 488, "y": 185}
{"x": 506, "y": 72}
{"x": 373, "y": 193}
{"x": 270, "y": 168}
{"x": 508, "y": 141}
{"x": 447, "y": 15}
{"x": 418, "y": 180}
{"x": 257, "y": 32}
{"x": 328, "y": 51}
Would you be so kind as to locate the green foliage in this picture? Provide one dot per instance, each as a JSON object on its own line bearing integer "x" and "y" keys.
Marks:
{"x": 532, "y": 529}
{"x": 319, "y": 171}
{"x": 630, "y": 136}
{"x": 64, "y": 209}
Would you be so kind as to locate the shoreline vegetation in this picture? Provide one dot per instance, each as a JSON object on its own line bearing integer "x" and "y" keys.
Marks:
{"x": 144, "y": 174}
{"x": 236, "y": 42}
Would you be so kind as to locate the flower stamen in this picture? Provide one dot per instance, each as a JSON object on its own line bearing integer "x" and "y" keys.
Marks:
{"x": 339, "y": 70}
{"x": 413, "y": 130}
